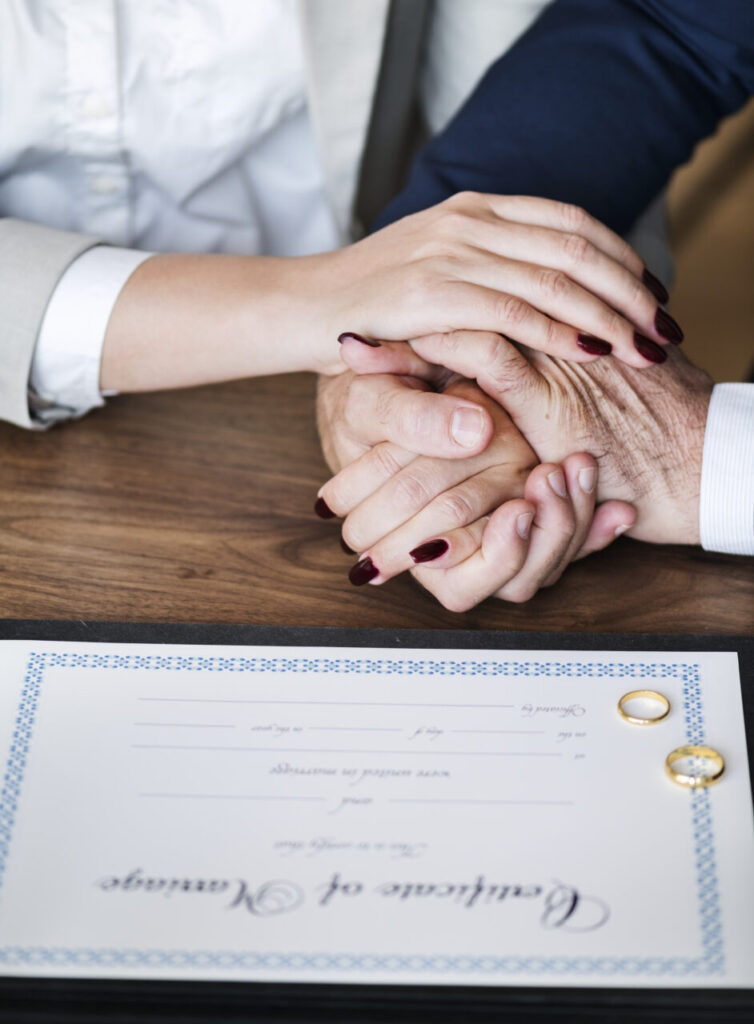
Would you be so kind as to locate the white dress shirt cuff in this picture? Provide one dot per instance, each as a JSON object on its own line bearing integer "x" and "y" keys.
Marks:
{"x": 726, "y": 500}
{"x": 64, "y": 379}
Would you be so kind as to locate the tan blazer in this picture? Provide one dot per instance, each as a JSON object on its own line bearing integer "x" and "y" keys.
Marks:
{"x": 371, "y": 64}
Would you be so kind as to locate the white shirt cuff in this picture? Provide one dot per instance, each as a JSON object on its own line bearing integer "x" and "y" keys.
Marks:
{"x": 726, "y": 500}
{"x": 64, "y": 379}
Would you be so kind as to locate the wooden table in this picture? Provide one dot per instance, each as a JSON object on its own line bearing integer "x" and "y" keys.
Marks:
{"x": 197, "y": 507}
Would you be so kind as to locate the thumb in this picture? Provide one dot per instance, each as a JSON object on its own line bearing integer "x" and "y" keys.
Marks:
{"x": 498, "y": 367}
{"x": 368, "y": 356}
{"x": 398, "y": 409}
{"x": 611, "y": 519}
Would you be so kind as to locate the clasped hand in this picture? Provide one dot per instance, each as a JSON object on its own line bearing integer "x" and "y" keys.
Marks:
{"x": 496, "y": 522}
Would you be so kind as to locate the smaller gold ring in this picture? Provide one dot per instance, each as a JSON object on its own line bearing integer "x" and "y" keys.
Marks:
{"x": 694, "y": 781}
{"x": 652, "y": 695}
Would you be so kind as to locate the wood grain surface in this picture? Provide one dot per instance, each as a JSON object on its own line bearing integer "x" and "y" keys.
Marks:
{"x": 196, "y": 506}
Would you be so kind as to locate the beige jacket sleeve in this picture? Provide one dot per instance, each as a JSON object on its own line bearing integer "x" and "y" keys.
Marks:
{"x": 33, "y": 258}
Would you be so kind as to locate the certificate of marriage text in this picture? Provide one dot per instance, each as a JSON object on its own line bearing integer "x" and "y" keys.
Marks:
{"x": 370, "y": 815}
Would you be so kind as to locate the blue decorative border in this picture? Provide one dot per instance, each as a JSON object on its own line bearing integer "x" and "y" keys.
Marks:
{"x": 711, "y": 961}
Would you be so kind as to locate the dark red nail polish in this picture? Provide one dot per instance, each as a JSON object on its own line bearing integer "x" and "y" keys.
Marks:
{"x": 357, "y": 337}
{"x": 594, "y": 346}
{"x": 429, "y": 550}
{"x": 667, "y": 327}
{"x": 323, "y": 510}
{"x": 647, "y": 348}
{"x": 363, "y": 572}
{"x": 346, "y": 548}
{"x": 656, "y": 286}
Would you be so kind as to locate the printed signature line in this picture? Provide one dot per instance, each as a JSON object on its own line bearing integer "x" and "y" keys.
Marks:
{"x": 185, "y": 725}
{"x": 343, "y": 750}
{"x": 500, "y": 732}
{"x": 522, "y": 803}
{"x": 328, "y": 703}
{"x": 233, "y": 796}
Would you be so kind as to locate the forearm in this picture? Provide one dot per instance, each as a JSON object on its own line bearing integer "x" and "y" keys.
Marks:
{"x": 183, "y": 320}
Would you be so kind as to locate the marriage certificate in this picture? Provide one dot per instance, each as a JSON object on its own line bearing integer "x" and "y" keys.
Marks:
{"x": 371, "y": 815}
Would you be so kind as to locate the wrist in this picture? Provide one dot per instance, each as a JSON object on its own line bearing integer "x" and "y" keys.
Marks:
{"x": 298, "y": 298}
{"x": 669, "y": 512}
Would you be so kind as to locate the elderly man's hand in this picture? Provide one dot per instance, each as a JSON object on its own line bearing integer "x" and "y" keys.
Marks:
{"x": 646, "y": 430}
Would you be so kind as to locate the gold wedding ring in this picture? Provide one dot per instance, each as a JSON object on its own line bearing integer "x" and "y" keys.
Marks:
{"x": 703, "y": 766}
{"x": 647, "y": 719}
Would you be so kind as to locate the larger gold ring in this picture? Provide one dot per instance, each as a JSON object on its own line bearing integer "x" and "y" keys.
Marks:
{"x": 687, "y": 778}
{"x": 661, "y": 699}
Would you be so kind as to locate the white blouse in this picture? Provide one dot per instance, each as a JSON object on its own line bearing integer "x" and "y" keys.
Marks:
{"x": 165, "y": 125}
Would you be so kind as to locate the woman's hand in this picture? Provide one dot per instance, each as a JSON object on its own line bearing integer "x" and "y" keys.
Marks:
{"x": 543, "y": 273}
{"x": 522, "y": 545}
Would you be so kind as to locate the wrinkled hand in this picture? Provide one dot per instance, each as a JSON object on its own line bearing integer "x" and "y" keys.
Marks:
{"x": 406, "y": 511}
{"x": 646, "y": 430}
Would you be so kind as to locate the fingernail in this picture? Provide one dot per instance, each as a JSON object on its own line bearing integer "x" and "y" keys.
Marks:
{"x": 323, "y": 510}
{"x": 620, "y": 529}
{"x": 594, "y": 346}
{"x": 429, "y": 550}
{"x": 466, "y": 426}
{"x": 363, "y": 572}
{"x": 557, "y": 482}
{"x": 647, "y": 348}
{"x": 358, "y": 337}
{"x": 667, "y": 328}
{"x": 346, "y": 548}
{"x": 656, "y": 286}
{"x": 587, "y": 478}
{"x": 523, "y": 524}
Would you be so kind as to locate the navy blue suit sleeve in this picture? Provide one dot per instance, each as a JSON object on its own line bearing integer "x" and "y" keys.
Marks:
{"x": 596, "y": 105}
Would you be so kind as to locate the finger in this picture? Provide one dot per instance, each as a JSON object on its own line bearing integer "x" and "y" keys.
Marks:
{"x": 356, "y": 482}
{"x": 552, "y": 530}
{"x": 390, "y": 357}
{"x": 385, "y": 408}
{"x": 443, "y": 552}
{"x": 388, "y": 537}
{"x": 548, "y": 213}
{"x": 580, "y": 295}
{"x": 611, "y": 519}
{"x": 499, "y": 368}
{"x": 580, "y": 476}
{"x": 500, "y": 557}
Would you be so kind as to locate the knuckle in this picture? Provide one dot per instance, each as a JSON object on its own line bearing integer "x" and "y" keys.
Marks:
{"x": 413, "y": 420}
{"x": 638, "y": 294}
{"x": 383, "y": 405}
{"x": 518, "y": 591}
{"x": 572, "y": 217}
{"x": 410, "y": 492}
{"x": 455, "y": 508}
{"x": 453, "y": 598}
{"x": 386, "y": 463}
{"x": 457, "y": 603}
{"x": 553, "y": 283}
{"x": 511, "y": 310}
{"x": 613, "y": 324}
{"x": 463, "y": 200}
{"x": 576, "y": 248}
{"x": 552, "y": 333}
